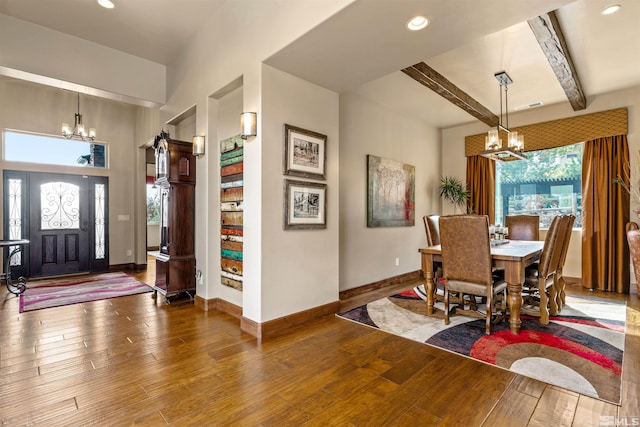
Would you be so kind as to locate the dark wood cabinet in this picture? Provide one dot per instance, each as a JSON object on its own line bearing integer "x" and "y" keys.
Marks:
{"x": 176, "y": 177}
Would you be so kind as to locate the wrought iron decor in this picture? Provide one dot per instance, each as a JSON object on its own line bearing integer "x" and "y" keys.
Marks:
{"x": 60, "y": 206}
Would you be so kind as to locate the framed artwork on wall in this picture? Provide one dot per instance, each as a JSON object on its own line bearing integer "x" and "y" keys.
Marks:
{"x": 305, "y": 205}
{"x": 305, "y": 153}
{"x": 390, "y": 193}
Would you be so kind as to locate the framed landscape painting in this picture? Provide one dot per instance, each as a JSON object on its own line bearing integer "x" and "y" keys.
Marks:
{"x": 305, "y": 205}
{"x": 390, "y": 193}
{"x": 305, "y": 153}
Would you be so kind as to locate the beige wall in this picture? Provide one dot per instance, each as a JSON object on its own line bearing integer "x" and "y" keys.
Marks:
{"x": 34, "y": 108}
{"x": 369, "y": 254}
{"x": 52, "y": 57}
{"x": 453, "y": 162}
{"x": 300, "y": 267}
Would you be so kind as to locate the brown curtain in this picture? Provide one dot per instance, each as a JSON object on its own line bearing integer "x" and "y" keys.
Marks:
{"x": 605, "y": 212}
{"x": 481, "y": 182}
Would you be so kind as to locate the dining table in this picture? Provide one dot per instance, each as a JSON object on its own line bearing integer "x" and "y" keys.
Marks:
{"x": 513, "y": 256}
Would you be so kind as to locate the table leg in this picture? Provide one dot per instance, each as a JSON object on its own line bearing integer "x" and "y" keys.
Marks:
{"x": 430, "y": 286}
{"x": 21, "y": 285}
{"x": 514, "y": 299}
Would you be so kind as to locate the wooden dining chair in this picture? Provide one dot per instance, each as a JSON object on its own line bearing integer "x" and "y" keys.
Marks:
{"x": 432, "y": 229}
{"x": 466, "y": 265}
{"x": 560, "y": 282}
{"x": 523, "y": 227}
{"x": 633, "y": 239}
{"x": 539, "y": 292}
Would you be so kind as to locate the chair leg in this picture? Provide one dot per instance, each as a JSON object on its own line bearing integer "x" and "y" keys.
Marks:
{"x": 489, "y": 308}
{"x": 561, "y": 294}
{"x": 553, "y": 298}
{"x": 544, "y": 301}
{"x": 446, "y": 304}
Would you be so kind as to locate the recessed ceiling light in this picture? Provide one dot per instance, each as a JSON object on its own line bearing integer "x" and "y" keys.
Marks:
{"x": 417, "y": 23}
{"x": 611, "y": 9}
{"x": 107, "y": 4}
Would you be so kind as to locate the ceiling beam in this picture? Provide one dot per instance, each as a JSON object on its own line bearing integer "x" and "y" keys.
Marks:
{"x": 547, "y": 30}
{"x": 429, "y": 77}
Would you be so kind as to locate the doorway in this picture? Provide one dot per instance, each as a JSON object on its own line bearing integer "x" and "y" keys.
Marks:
{"x": 65, "y": 218}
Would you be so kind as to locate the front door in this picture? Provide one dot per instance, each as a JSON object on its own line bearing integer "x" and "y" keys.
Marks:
{"x": 59, "y": 224}
{"x": 64, "y": 218}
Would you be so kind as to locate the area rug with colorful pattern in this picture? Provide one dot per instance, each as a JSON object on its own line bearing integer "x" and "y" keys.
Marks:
{"x": 580, "y": 350}
{"x": 79, "y": 289}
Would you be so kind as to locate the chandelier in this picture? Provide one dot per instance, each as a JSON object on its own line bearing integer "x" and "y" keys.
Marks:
{"x": 78, "y": 131}
{"x": 493, "y": 148}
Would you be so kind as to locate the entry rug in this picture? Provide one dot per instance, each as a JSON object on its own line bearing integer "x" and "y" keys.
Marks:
{"x": 58, "y": 292}
{"x": 579, "y": 350}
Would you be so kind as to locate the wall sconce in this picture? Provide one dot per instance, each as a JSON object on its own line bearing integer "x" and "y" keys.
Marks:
{"x": 198, "y": 145}
{"x": 248, "y": 125}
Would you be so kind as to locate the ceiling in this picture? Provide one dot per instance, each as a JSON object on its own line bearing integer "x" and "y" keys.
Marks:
{"x": 364, "y": 47}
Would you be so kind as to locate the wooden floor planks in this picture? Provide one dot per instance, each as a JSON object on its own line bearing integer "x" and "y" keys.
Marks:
{"x": 135, "y": 361}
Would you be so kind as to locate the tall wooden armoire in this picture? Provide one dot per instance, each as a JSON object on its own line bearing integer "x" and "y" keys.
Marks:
{"x": 176, "y": 177}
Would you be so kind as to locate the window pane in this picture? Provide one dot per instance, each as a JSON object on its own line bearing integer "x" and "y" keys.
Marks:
{"x": 15, "y": 218}
{"x": 547, "y": 184}
{"x": 153, "y": 204}
{"x": 32, "y": 148}
{"x": 100, "y": 250}
{"x": 59, "y": 206}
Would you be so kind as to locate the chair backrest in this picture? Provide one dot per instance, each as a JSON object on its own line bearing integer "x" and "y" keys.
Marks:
{"x": 633, "y": 238}
{"x": 523, "y": 227}
{"x": 466, "y": 250}
{"x": 563, "y": 235}
{"x": 432, "y": 228}
{"x": 567, "y": 238}
{"x": 550, "y": 252}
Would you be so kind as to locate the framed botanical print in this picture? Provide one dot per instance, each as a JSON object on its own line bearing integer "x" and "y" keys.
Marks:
{"x": 305, "y": 153}
{"x": 305, "y": 205}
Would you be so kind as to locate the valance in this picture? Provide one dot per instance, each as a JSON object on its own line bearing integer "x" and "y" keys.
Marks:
{"x": 557, "y": 133}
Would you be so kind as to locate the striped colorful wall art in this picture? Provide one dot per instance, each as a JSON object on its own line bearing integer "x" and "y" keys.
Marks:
{"x": 231, "y": 211}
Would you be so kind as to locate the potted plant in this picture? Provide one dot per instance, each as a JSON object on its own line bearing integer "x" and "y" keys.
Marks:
{"x": 454, "y": 191}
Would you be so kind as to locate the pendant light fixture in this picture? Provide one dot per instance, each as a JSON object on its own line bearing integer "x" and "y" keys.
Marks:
{"x": 493, "y": 147}
{"x": 78, "y": 131}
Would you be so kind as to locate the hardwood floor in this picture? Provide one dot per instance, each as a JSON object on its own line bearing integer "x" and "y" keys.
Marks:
{"x": 136, "y": 361}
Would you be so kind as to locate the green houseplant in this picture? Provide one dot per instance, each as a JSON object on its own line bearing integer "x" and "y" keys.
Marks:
{"x": 454, "y": 191}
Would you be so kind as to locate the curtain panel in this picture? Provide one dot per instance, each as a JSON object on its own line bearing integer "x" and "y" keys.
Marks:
{"x": 605, "y": 212}
{"x": 481, "y": 182}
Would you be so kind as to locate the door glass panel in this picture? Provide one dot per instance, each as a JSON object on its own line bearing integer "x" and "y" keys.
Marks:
{"x": 99, "y": 221}
{"x": 15, "y": 217}
{"x": 60, "y": 206}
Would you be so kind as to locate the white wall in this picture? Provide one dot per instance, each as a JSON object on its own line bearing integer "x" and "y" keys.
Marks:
{"x": 454, "y": 163}
{"x": 300, "y": 267}
{"x": 69, "y": 59}
{"x": 216, "y": 56}
{"x": 153, "y": 235}
{"x": 30, "y": 107}
{"x": 368, "y": 254}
